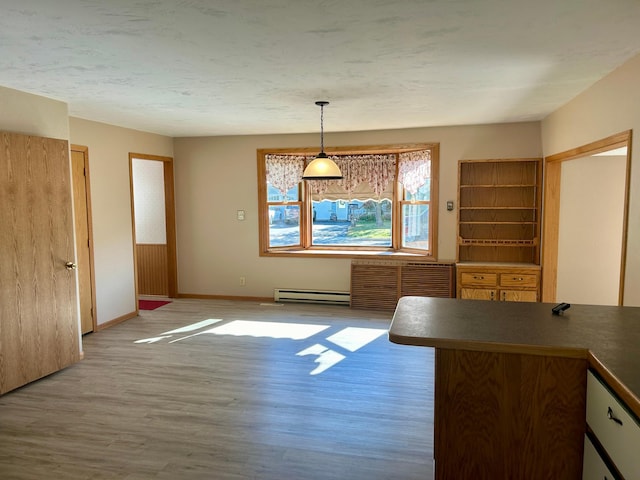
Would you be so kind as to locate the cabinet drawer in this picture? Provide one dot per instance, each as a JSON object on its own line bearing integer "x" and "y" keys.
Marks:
{"x": 479, "y": 279}
{"x": 518, "y": 280}
{"x": 593, "y": 466}
{"x": 616, "y": 429}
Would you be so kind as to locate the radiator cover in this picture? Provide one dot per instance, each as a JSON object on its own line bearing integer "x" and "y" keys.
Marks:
{"x": 379, "y": 284}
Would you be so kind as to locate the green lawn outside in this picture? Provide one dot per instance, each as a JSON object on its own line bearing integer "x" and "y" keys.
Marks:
{"x": 370, "y": 230}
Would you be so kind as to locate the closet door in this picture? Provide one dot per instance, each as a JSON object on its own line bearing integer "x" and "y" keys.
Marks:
{"x": 39, "y": 332}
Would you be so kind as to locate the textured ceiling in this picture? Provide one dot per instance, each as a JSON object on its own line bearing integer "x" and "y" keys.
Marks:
{"x": 233, "y": 67}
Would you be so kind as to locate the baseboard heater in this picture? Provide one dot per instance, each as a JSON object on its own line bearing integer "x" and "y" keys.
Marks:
{"x": 329, "y": 297}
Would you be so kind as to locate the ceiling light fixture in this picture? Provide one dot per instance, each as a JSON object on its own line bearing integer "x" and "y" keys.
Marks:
{"x": 322, "y": 167}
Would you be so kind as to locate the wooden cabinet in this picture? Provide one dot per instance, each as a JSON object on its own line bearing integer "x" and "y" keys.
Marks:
{"x": 498, "y": 250}
{"x": 613, "y": 430}
{"x": 504, "y": 283}
{"x": 499, "y": 210}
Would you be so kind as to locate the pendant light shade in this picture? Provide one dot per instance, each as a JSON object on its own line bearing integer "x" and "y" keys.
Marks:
{"x": 322, "y": 167}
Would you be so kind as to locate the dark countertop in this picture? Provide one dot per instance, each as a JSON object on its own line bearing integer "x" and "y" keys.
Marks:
{"x": 609, "y": 337}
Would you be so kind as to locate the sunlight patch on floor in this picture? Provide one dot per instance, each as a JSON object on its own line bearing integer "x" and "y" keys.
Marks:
{"x": 354, "y": 338}
{"x": 350, "y": 339}
{"x": 293, "y": 331}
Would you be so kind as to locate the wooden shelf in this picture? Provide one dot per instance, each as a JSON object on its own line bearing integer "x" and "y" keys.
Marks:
{"x": 498, "y": 215}
{"x": 498, "y": 223}
{"x": 475, "y": 207}
{"x": 494, "y": 241}
{"x": 522, "y": 185}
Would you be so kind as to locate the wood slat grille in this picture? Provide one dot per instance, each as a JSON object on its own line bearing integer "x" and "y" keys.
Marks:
{"x": 428, "y": 280}
{"x": 374, "y": 286}
{"x": 379, "y": 284}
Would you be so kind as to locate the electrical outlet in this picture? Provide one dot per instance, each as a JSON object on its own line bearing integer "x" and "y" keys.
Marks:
{"x": 243, "y": 281}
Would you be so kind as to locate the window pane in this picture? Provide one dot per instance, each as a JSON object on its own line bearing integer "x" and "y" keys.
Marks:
{"x": 423, "y": 193}
{"x": 352, "y": 223}
{"x": 415, "y": 224}
{"x": 284, "y": 225}
{"x": 275, "y": 195}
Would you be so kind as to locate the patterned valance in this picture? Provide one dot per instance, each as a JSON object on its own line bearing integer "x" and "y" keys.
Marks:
{"x": 373, "y": 173}
{"x": 284, "y": 171}
{"x": 414, "y": 169}
{"x": 366, "y": 175}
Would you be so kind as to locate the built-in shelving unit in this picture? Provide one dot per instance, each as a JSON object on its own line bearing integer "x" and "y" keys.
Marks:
{"x": 499, "y": 210}
{"x": 498, "y": 254}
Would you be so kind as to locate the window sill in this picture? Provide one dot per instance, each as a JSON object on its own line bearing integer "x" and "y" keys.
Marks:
{"x": 337, "y": 253}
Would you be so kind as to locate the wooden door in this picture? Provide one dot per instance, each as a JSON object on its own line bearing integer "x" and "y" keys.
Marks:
{"x": 82, "y": 217}
{"x": 477, "y": 294}
{"x": 518, "y": 296}
{"x": 38, "y": 305}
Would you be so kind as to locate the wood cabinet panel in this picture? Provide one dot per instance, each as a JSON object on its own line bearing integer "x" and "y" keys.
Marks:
{"x": 500, "y": 415}
{"x": 510, "y": 283}
{"x": 478, "y": 294}
{"x": 518, "y": 296}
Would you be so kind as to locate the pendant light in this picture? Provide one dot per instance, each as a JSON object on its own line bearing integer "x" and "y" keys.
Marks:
{"x": 322, "y": 167}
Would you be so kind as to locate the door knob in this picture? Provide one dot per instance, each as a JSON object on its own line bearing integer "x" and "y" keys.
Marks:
{"x": 71, "y": 266}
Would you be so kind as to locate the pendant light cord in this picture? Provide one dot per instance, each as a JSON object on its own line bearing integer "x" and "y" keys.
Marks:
{"x": 322, "y": 128}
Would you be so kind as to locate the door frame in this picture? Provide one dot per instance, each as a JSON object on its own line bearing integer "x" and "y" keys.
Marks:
{"x": 551, "y": 223}
{"x": 170, "y": 219}
{"x": 87, "y": 184}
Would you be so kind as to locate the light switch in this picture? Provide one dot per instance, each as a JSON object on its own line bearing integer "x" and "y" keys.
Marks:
{"x": 450, "y": 205}
{"x": 240, "y": 214}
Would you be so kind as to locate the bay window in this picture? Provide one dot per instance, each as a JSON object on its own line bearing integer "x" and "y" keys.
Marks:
{"x": 386, "y": 202}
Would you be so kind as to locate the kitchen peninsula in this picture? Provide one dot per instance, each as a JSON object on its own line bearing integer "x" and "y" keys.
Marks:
{"x": 511, "y": 381}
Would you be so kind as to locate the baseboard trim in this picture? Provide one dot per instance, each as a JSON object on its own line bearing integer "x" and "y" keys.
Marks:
{"x": 197, "y": 296}
{"x": 116, "y": 321}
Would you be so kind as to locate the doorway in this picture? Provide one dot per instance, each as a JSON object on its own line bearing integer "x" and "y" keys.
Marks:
{"x": 154, "y": 232}
{"x": 585, "y": 223}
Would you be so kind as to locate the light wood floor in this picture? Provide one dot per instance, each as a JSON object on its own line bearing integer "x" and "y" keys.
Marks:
{"x": 214, "y": 406}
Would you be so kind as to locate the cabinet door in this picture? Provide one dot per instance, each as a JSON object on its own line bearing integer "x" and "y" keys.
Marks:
{"x": 478, "y": 294}
{"x": 594, "y": 467}
{"x": 518, "y": 295}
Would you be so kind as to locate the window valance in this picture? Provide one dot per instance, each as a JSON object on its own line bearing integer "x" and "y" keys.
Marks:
{"x": 364, "y": 175}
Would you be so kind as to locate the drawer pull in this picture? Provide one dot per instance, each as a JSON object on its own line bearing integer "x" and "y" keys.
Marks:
{"x": 612, "y": 417}
{"x": 518, "y": 279}
{"x": 477, "y": 277}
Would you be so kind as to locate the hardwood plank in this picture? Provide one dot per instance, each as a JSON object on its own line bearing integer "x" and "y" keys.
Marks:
{"x": 226, "y": 407}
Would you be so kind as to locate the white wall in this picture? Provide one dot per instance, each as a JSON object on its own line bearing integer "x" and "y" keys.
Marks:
{"x": 28, "y": 114}
{"x": 590, "y": 235}
{"x": 216, "y": 176}
{"x": 109, "y": 149}
{"x": 608, "y": 107}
